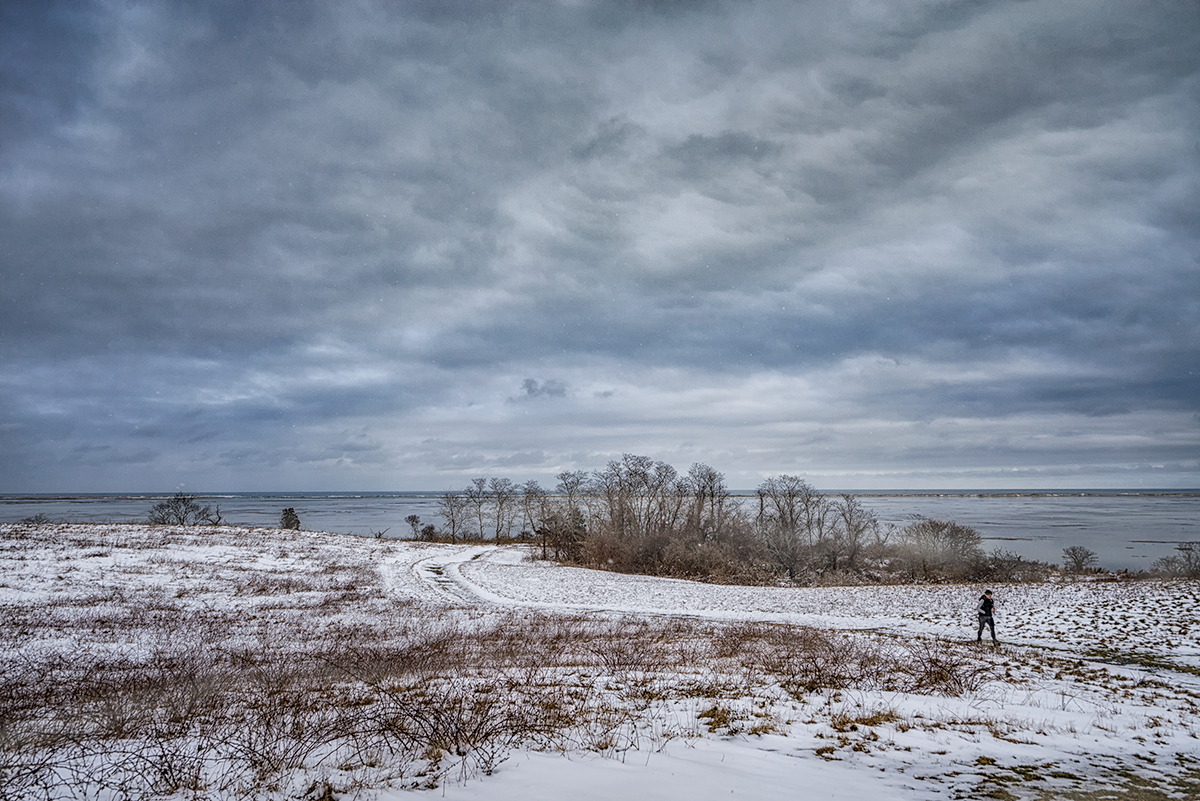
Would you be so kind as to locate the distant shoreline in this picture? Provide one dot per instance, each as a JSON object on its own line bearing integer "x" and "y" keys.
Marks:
{"x": 740, "y": 493}
{"x": 1128, "y": 528}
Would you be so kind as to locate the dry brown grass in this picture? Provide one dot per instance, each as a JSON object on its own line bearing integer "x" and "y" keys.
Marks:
{"x": 230, "y": 676}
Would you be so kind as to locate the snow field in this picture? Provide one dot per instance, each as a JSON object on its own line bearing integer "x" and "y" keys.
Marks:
{"x": 639, "y": 685}
{"x": 1151, "y": 618}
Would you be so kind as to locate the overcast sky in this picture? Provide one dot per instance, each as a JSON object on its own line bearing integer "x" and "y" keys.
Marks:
{"x": 378, "y": 245}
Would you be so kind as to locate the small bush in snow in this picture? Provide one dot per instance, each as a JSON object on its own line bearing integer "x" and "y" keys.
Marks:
{"x": 289, "y": 520}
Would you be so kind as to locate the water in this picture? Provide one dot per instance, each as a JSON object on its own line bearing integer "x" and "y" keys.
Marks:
{"x": 1127, "y": 530}
{"x": 363, "y": 514}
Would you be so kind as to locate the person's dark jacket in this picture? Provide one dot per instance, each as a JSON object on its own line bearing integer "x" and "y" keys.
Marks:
{"x": 985, "y": 606}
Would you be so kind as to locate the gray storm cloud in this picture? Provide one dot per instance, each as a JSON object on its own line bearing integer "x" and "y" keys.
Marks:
{"x": 325, "y": 245}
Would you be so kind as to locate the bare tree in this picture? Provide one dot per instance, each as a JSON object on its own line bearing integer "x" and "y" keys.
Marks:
{"x": 566, "y": 530}
{"x": 534, "y": 508}
{"x": 452, "y": 506}
{"x": 793, "y": 519}
{"x": 476, "y": 496}
{"x": 504, "y": 498}
{"x": 1077, "y": 559}
{"x": 414, "y": 522}
{"x": 572, "y": 484}
{"x": 1187, "y": 563}
{"x": 856, "y": 525}
{"x": 713, "y": 508}
{"x": 566, "y": 524}
{"x": 778, "y": 522}
{"x": 182, "y": 510}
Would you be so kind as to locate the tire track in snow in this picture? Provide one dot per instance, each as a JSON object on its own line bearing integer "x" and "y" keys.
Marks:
{"x": 442, "y": 577}
{"x": 931, "y": 610}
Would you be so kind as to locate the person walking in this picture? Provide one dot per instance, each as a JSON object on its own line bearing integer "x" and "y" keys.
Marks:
{"x": 984, "y": 610}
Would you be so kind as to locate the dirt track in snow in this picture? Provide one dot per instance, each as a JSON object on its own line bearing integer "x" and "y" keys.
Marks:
{"x": 1153, "y": 623}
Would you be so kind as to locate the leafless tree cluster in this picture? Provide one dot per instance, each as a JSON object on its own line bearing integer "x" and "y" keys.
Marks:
{"x": 499, "y": 510}
{"x": 636, "y": 515}
{"x": 641, "y": 515}
{"x": 815, "y": 537}
{"x": 806, "y": 532}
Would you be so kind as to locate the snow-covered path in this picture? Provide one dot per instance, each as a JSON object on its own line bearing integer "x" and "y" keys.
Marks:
{"x": 1146, "y": 621}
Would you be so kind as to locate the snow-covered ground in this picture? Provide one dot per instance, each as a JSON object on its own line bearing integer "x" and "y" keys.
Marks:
{"x": 1122, "y": 619}
{"x": 1095, "y": 689}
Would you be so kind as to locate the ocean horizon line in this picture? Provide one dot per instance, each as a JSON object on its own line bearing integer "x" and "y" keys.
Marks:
{"x": 985, "y": 492}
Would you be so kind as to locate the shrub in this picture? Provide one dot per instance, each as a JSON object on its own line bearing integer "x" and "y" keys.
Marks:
{"x": 289, "y": 519}
{"x": 1186, "y": 564}
{"x": 182, "y": 510}
{"x": 1008, "y": 566}
{"x": 934, "y": 549}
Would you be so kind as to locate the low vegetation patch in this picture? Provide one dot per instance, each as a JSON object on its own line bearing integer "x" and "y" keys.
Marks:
{"x": 642, "y": 516}
{"x": 213, "y": 707}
